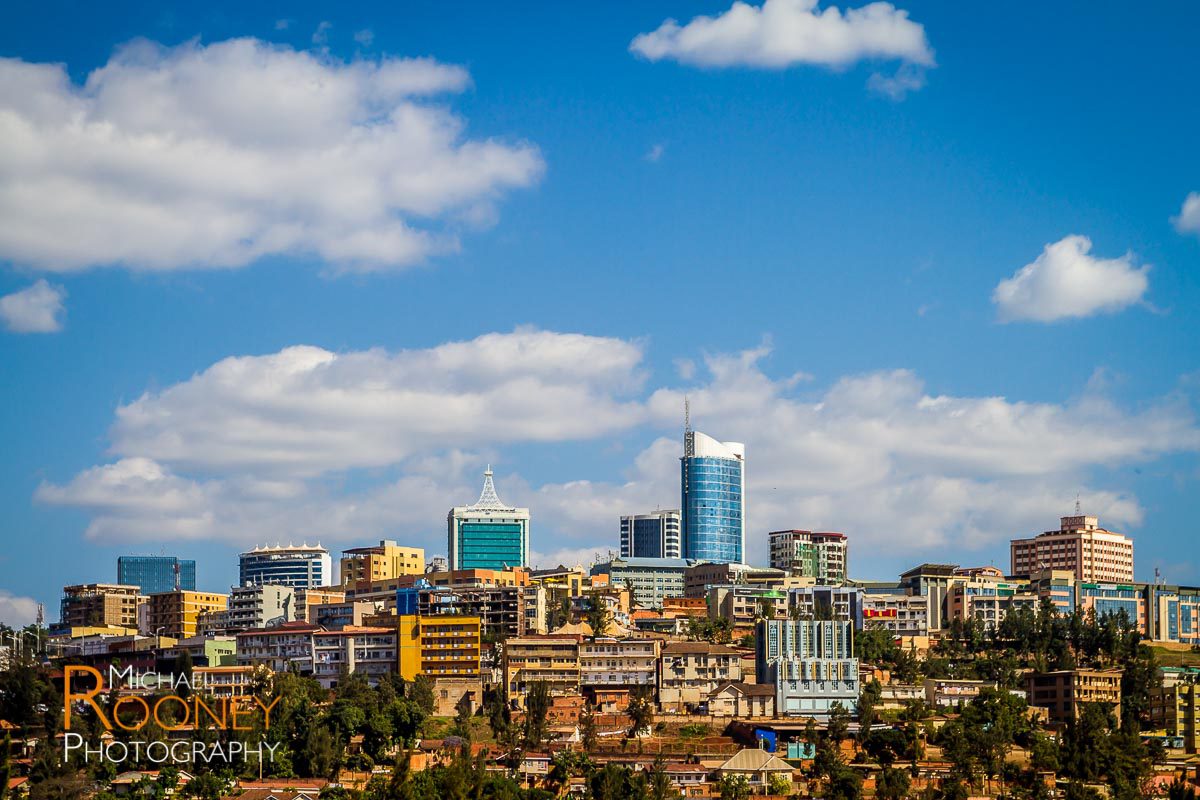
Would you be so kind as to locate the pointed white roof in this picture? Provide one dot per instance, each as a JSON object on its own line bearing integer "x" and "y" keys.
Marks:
{"x": 488, "y": 499}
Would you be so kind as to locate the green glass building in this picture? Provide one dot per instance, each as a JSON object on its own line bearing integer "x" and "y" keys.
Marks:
{"x": 488, "y": 534}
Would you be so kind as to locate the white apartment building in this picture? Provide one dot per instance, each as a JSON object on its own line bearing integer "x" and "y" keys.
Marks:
{"x": 354, "y": 650}
{"x": 260, "y": 606}
{"x": 625, "y": 663}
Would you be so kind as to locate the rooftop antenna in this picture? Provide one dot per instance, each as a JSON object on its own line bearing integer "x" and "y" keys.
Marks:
{"x": 689, "y": 443}
{"x": 1078, "y": 509}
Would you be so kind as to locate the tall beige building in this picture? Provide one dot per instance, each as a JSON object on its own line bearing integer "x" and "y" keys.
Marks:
{"x": 1079, "y": 546}
{"x": 177, "y": 614}
{"x": 99, "y": 605}
{"x": 387, "y": 560}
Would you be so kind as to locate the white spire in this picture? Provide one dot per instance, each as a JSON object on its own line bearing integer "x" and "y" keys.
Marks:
{"x": 488, "y": 499}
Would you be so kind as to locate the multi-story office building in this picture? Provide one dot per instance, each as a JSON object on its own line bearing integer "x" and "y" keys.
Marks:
{"x": 839, "y": 603}
{"x": 370, "y": 652}
{"x": 226, "y": 681}
{"x": 552, "y": 659}
{"x": 949, "y": 693}
{"x": 1080, "y": 546}
{"x": 333, "y": 616}
{"x": 654, "y": 535}
{"x": 376, "y": 563}
{"x": 618, "y": 663}
{"x": 1128, "y": 599}
{"x": 900, "y": 614}
{"x": 810, "y": 663}
{"x": 1064, "y": 693}
{"x": 286, "y": 648}
{"x": 502, "y": 610}
{"x": 821, "y": 556}
{"x": 215, "y": 623}
{"x": 987, "y": 598}
{"x": 1173, "y": 706}
{"x": 260, "y": 606}
{"x": 314, "y": 597}
{"x": 691, "y": 671}
{"x": 489, "y": 534}
{"x": 933, "y": 582}
{"x": 446, "y": 646}
{"x": 177, "y": 614}
{"x": 154, "y": 574}
{"x": 650, "y": 579}
{"x": 1055, "y": 585}
{"x": 699, "y": 578}
{"x": 99, "y": 605}
{"x": 713, "y": 489}
{"x": 745, "y": 605}
{"x": 1175, "y": 614}
{"x": 305, "y": 566}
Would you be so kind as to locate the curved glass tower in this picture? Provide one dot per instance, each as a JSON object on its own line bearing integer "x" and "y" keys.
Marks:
{"x": 713, "y": 483}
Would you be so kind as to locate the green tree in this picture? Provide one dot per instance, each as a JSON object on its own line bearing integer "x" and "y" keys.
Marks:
{"x": 640, "y": 711}
{"x": 420, "y": 691}
{"x": 779, "y": 785}
{"x": 659, "y": 784}
{"x": 537, "y": 707}
{"x": 733, "y": 787}
{"x": 183, "y": 667}
{"x": 587, "y": 728}
{"x": 597, "y": 615}
{"x": 892, "y": 784}
{"x": 1181, "y": 790}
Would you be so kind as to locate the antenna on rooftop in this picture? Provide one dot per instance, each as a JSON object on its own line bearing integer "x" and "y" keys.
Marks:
{"x": 1078, "y": 508}
{"x": 687, "y": 415}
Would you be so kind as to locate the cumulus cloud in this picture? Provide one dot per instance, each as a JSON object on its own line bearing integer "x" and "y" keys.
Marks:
{"x": 36, "y": 309}
{"x": 259, "y": 448}
{"x": 1188, "y": 220}
{"x": 17, "y": 611}
{"x": 214, "y": 156}
{"x": 1065, "y": 282}
{"x": 305, "y": 410}
{"x": 782, "y": 33}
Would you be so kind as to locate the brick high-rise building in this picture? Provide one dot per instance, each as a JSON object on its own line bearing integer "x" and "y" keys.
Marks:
{"x": 1080, "y": 546}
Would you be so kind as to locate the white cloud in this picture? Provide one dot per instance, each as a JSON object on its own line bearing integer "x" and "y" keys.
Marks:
{"x": 1066, "y": 282}
{"x": 258, "y": 448}
{"x": 782, "y": 33}
{"x": 36, "y": 309}
{"x": 365, "y": 37}
{"x": 214, "y": 156}
{"x": 304, "y": 410}
{"x": 320, "y": 36}
{"x": 1188, "y": 220}
{"x": 655, "y": 153}
{"x": 282, "y": 24}
{"x": 908, "y": 78}
{"x": 17, "y": 611}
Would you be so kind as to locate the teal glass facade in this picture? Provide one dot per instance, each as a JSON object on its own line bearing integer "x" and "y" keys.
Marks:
{"x": 712, "y": 508}
{"x": 155, "y": 574}
{"x": 490, "y": 545}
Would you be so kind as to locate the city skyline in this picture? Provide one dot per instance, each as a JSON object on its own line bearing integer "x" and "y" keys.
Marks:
{"x": 939, "y": 293}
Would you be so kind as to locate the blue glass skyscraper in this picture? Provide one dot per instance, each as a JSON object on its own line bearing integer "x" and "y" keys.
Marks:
{"x": 154, "y": 574}
{"x": 713, "y": 483}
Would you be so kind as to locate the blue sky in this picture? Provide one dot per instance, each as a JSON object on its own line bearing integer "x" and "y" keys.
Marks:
{"x": 814, "y": 262}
